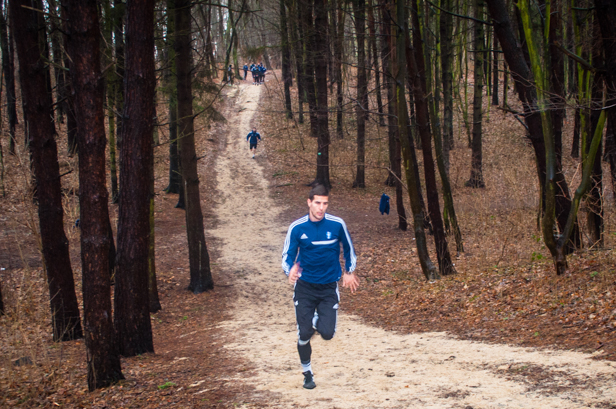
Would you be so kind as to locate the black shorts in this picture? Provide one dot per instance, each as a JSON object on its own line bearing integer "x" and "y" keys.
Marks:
{"x": 324, "y": 298}
{"x": 253, "y": 146}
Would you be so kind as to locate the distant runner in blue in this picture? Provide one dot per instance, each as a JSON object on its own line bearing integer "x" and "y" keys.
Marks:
{"x": 252, "y": 139}
{"x": 245, "y": 71}
{"x": 311, "y": 260}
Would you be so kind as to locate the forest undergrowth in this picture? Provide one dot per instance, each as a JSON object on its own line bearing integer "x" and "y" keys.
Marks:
{"x": 506, "y": 289}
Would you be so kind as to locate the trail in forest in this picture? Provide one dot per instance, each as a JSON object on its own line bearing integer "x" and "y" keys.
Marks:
{"x": 364, "y": 366}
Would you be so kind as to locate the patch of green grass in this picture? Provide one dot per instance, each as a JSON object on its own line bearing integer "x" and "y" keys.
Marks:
{"x": 166, "y": 385}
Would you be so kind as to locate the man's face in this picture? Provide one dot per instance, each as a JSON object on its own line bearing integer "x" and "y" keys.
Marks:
{"x": 254, "y": 129}
{"x": 317, "y": 208}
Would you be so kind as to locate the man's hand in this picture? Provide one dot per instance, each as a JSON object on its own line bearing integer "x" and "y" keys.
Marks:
{"x": 349, "y": 280}
{"x": 294, "y": 274}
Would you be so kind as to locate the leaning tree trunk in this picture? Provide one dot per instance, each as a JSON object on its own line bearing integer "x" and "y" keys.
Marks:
{"x": 29, "y": 28}
{"x": 361, "y": 107}
{"x": 606, "y": 17}
{"x": 131, "y": 302}
{"x": 199, "y": 259}
{"x": 83, "y": 49}
{"x": 476, "y": 178}
{"x": 417, "y": 73}
{"x": 410, "y": 160}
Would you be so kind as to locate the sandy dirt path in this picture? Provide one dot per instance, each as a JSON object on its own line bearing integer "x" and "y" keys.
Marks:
{"x": 364, "y": 366}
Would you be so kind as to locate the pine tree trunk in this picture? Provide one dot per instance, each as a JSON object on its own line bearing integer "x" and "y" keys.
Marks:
{"x": 298, "y": 51}
{"x": 29, "y": 28}
{"x": 83, "y": 49}
{"x": 310, "y": 52}
{"x": 320, "y": 69}
{"x": 131, "y": 302}
{"x": 199, "y": 259}
{"x": 361, "y": 107}
{"x": 287, "y": 78}
{"x": 175, "y": 177}
{"x": 8, "y": 69}
{"x": 377, "y": 72}
{"x": 476, "y": 178}
{"x": 446, "y": 28}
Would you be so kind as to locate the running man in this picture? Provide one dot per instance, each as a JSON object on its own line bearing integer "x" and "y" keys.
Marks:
{"x": 315, "y": 273}
{"x": 245, "y": 71}
{"x": 252, "y": 138}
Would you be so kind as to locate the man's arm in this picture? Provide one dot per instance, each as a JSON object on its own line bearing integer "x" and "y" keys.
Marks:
{"x": 349, "y": 279}
{"x": 289, "y": 253}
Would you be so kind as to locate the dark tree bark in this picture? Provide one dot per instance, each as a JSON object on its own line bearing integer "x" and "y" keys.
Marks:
{"x": 320, "y": 59}
{"x": 309, "y": 39}
{"x": 200, "y": 274}
{"x": 29, "y": 28}
{"x": 83, "y": 48}
{"x": 377, "y": 72}
{"x": 338, "y": 52}
{"x": 606, "y": 17}
{"x": 521, "y": 74}
{"x": 131, "y": 303}
{"x": 417, "y": 74}
{"x": 361, "y": 107}
{"x": 298, "y": 52}
{"x": 594, "y": 198}
{"x": 395, "y": 173}
{"x": 495, "y": 54}
{"x": 287, "y": 78}
{"x": 476, "y": 178}
{"x": 1, "y": 301}
{"x": 118, "y": 28}
{"x": 446, "y": 32}
{"x": 8, "y": 69}
{"x": 175, "y": 177}
{"x": 410, "y": 160}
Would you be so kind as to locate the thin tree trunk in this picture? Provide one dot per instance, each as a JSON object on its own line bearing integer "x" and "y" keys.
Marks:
{"x": 412, "y": 178}
{"x": 29, "y": 28}
{"x": 338, "y": 42}
{"x": 309, "y": 63}
{"x": 175, "y": 177}
{"x": 83, "y": 49}
{"x": 287, "y": 77}
{"x": 606, "y": 17}
{"x": 320, "y": 69}
{"x": 361, "y": 107}
{"x": 446, "y": 27}
{"x": 476, "y": 178}
{"x": 199, "y": 259}
{"x": 377, "y": 73}
{"x": 495, "y": 73}
{"x": 395, "y": 174}
{"x": 8, "y": 70}
{"x": 298, "y": 51}
{"x": 417, "y": 73}
{"x": 131, "y": 302}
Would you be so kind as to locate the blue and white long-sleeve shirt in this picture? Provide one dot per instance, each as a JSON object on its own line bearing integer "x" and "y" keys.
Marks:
{"x": 318, "y": 245}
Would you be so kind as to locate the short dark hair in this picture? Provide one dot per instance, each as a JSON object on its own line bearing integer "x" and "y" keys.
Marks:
{"x": 318, "y": 190}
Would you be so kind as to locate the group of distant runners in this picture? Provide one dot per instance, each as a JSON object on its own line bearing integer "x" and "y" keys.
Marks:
{"x": 257, "y": 71}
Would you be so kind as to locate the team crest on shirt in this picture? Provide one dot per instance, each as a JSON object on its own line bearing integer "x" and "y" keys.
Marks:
{"x": 329, "y": 235}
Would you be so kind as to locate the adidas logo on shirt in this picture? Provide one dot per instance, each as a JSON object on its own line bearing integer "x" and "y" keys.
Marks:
{"x": 304, "y": 236}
